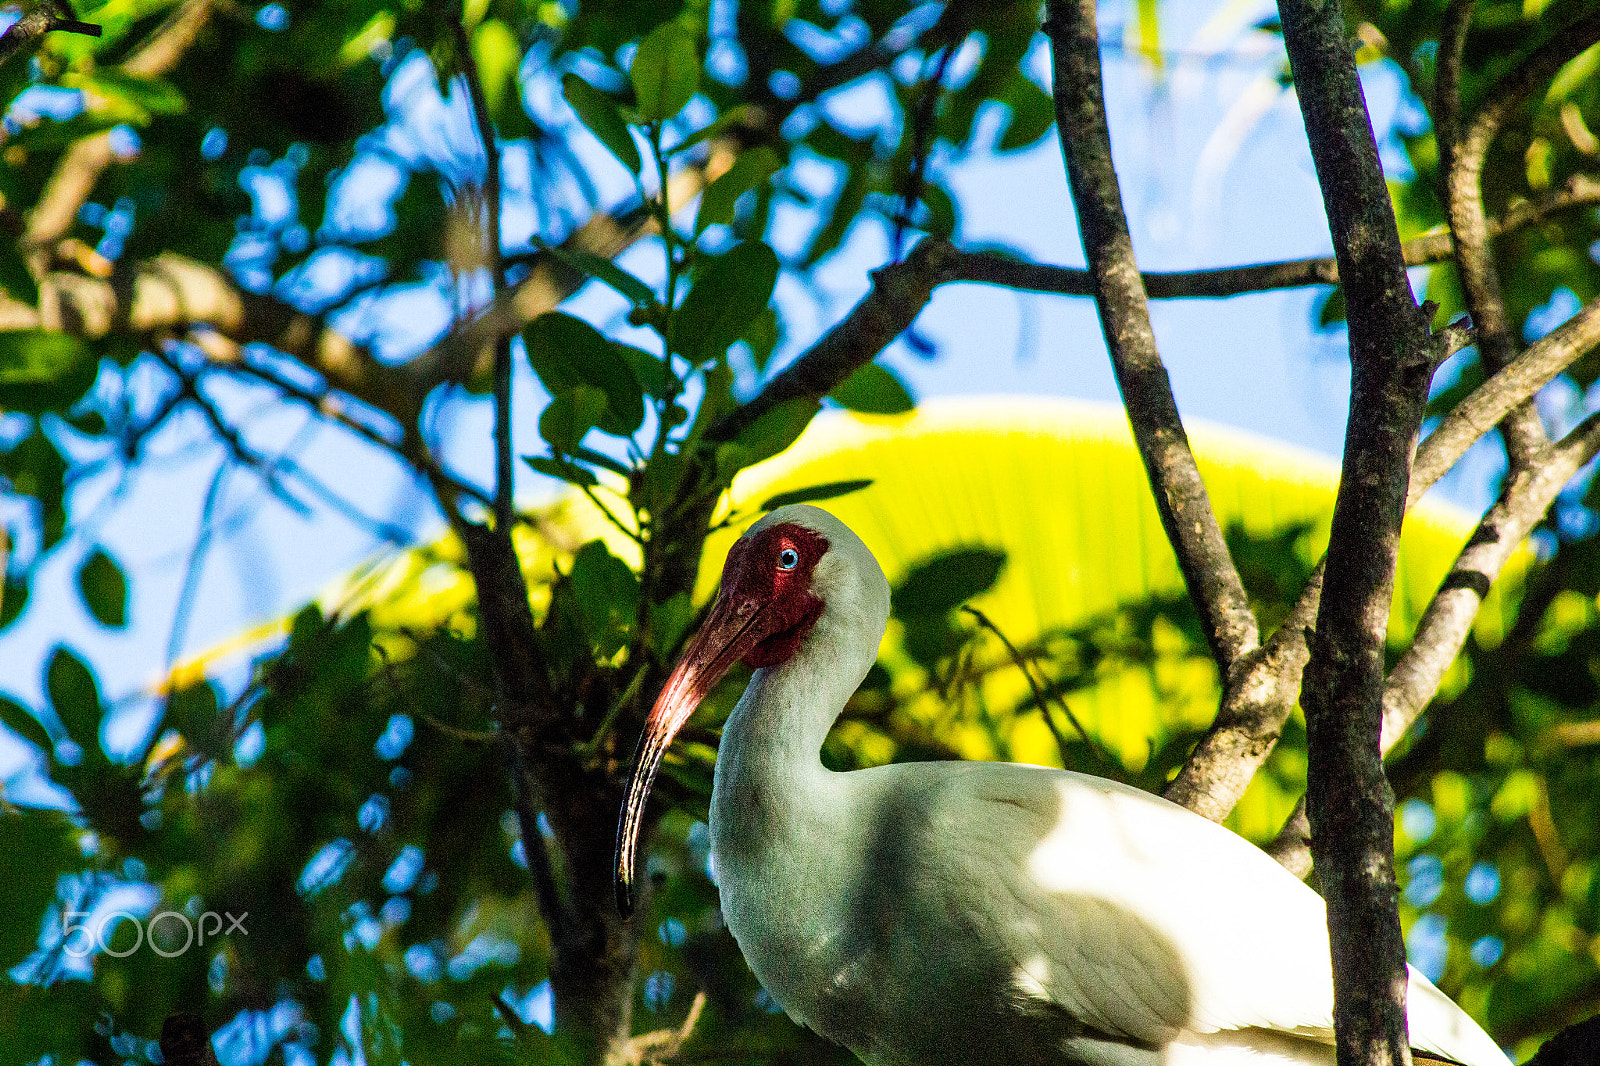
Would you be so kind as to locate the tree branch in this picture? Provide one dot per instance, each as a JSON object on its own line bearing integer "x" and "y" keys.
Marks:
{"x": 994, "y": 268}
{"x": 35, "y": 24}
{"x": 503, "y": 477}
{"x": 1450, "y": 614}
{"x": 1507, "y": 389}
{"x": 1392, "y": 357}
{"x": 1258, "y": 698}
{"x": 1180, "y": 494}
{"x": 899, "y": 293}
{"x": 1443, "y": 629}
{"x": 1480, "y": 282}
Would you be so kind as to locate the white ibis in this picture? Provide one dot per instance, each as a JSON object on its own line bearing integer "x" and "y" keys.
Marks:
{"x": 964, "y": 913}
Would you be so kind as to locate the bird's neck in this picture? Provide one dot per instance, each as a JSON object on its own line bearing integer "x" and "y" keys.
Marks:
{"x": 769, "y": 768}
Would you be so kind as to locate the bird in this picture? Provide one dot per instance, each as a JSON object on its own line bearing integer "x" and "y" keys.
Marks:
{"x": 977, "y": 912}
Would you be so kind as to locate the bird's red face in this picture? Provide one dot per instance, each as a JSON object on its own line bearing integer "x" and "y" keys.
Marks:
{"x": 764, "y": 611}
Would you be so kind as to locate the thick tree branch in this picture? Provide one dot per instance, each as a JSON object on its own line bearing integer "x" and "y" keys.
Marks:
{"x": 1180, "y": 494}
{"x": 1258, "y": 698}
{"x": 1392, "y": 357}
{"x": 1480, "y": 281}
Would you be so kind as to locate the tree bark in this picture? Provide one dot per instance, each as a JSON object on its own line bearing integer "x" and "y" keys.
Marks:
{"x": 1392, "y": 357}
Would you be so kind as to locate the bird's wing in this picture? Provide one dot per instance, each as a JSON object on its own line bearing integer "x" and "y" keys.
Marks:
{"x": 1142, "y": 918}
{"x": 1139, "y": 918}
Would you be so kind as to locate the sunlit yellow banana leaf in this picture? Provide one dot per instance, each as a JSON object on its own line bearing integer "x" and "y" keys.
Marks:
{"x": 1055, "y": 484}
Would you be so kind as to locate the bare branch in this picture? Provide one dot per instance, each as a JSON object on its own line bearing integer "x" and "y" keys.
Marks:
{"x": 497, "y": 272}
{"x": 993, "y": 268}
{"x": 1490, "y": 402}
{"x": 1444, "y": 626}
{"x": 1392, "y": 357}
{"x": 552, "y": 905}
{"x": 1525, "y": 435}
{"x": 1257, "y": 699}
{"x": 1180, "y": 493}
{"x": 35, "y": 24}
{"x": 1449, "y": 616}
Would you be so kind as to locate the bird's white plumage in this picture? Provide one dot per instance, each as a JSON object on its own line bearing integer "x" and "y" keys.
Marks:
{"x": 987, "y": 912}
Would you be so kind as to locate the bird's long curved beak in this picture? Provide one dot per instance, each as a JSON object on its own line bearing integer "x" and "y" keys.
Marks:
{"x": 733, "y": 628}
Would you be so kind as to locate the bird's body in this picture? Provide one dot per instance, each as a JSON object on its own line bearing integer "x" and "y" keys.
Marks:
{"x": 969, "y": 913}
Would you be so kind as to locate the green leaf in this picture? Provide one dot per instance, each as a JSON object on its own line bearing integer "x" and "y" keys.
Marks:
{"x": 43, "y": 371}
{"x": 75, "y": 698}
{"x": 605, "y": 462}
{"x": 499, "y": 60}
{"x": 195, "y": 712}
{"x": 665, "y": 72}
{"x": 600, "y": 116}
{"x": 948, "y": 580}
{"x": 567, "y": 352}
{"x": 570, "y": 415}
{"x": 637, "y": 292}
{"x": 1331, "y": 310}
{"x": 104, "y": 589}
{"x": 873, "y": 390}
{"x": 749, "y": 170}
{"x": 1033, "y": 114}
{"x": 15, "y": 598}
{"x": 650, "y": 371}
{"x": 734, "y": 116}
{"x": 777, "y": 429}
{"x": 658, "y": 488}
{"x": 841, "y": 216}
{"x": 813, "y": 493}
{"x": 725, "y": 298}
{"x": 569, "y": 472}
{"x": 941, "y": 220}
{"x": 762, "y": 337}
{"x": 14, "y": 276}
{"x": 22, "y": 722}
{"x": 152, "y": 95}
{"x": 668, "y": 622}
{"x": 606, "y": 595}
{"x": 36, "y": 848}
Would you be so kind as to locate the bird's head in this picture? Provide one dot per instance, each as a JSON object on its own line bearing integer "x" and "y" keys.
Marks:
{"x": 789, "y": 570}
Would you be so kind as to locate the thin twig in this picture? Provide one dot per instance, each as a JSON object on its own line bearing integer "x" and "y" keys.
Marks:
{"x": 663, "y": 1045}
{"x": 555, "y": 909}
{"x": 191, "y": 574}
{"x": 503, "y": 470}
{"x": 1041, "y": 701}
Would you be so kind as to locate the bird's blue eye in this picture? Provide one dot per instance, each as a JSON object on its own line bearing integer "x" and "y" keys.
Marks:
{"x": 788, "y": 559}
